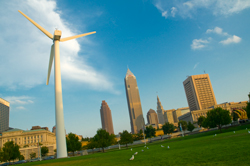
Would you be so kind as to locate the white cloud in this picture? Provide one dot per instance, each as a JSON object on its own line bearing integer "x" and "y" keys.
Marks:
{"x": 199, "y": 44}
{"x": 232, "y": 39}
{"x": 196, "y": 65}
{"x": 173, "y": 11}
{"x": 19, "y": 100}
{"x": 25, "y": 49}
{"x": 215, "y": 7}
{"x": 217, "y": 30}
{"x": 20, "y": 108}
{"x": 165, "y": 14}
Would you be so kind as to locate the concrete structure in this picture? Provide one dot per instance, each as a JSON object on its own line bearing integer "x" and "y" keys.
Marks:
{"x": 134, "y": 103}
{"x": 55, "y": 54}
{"x": 160, "y": 112}
{"x": 199, "y": 92}
{"x": 4, "y": 115}
{"x": 152, "y": 117}
{"x": 168, "y": 116}
{"x": 28, "y": 140}
{"x": 106, "y": 117}
{"x": 193, "y": 116}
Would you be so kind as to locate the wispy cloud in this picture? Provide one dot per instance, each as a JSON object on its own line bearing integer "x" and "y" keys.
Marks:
{"x": 199, "y": 44}
{"x": 173, "y": 11}
{"x": 26, "y": 65}
{"x": 19, "y": 100}
{"x": 190, "y": 8}
{"x": 232, "y": 39}
{"x": 20, "y": 108}
{"x": 196, "y": 65}
{"x": 217, "y": 30}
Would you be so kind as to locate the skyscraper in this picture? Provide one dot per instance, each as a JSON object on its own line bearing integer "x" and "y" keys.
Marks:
{"x": 134, "y": 103}
{"x": 152, "y": 117}
{"x": 106, "y": 117}
{"x": 199, "y": 92}
{"x": 4, "y": 115}
{"x": 160, "y": 111}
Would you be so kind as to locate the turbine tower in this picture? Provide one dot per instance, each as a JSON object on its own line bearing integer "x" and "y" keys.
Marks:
{"x": 54, "y": 53}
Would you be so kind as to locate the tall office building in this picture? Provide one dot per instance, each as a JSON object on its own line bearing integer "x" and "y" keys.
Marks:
{"x": 134, "y": 103}
{"x": 199, "y": 92}
{"x": 160, "y": 111}
{"x": 4, "y": 115}
{"x": 152, "y": 117}
{"x": 106, "y": 117}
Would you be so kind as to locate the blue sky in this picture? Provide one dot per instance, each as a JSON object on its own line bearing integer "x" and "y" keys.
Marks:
{"x": 162, "y": 42}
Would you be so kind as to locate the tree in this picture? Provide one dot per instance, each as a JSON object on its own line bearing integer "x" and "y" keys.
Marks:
{"x": 126, "y": 138}
{"x": 217, "y": 117}
{"x": 150, "y": 132}
{"x": 103, "y": 139}
{"x": 201, "y": 120}
{"x": 190, "y": 127}
{"x": 1, "y": 155}
{"x": 168, "y": 128}
{"x": 21, "y": 157}
{"x": 72, "y": 143}
{"x": 183, "y": 125}
{"x": 32, "y": 155}
{"x": 10, "y": 151}
{"x": 247, "y": 108}
{"x": 44, "y": 150}
{"x": 92, "y": 145}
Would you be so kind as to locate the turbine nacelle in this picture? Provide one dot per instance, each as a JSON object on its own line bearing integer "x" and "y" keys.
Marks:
{"x": 57, "y": 35}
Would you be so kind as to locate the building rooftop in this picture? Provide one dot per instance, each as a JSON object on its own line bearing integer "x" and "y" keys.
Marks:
{"x": 129, "y": 73}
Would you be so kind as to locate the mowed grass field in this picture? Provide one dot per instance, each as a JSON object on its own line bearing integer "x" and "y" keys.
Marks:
{"x": 227, "y": 148}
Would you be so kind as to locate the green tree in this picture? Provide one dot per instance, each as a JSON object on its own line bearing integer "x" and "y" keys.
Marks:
{"x": 201, "y": 120}
{"x": 73, "y": 143}
{"x": 183, "y": 125}
{"x": 1, "y": 155}
{"x": 10, "y": 151}
{"x": 21, "y": 157}
{"x": 150, "y": 132}
{"x": 92, "y": 145}
{"x": 190, "y": 127}
{"x": 234, "y": 116}
{"x": 126, "y": 138}
{"x": 217, "y": 117}
{"x": 103, "y": 139}
{"x": 247, "y": 108}
{"x": 44, "y": 151}
{"x": 32, "y": 155}
{"x": 168, "y": 128}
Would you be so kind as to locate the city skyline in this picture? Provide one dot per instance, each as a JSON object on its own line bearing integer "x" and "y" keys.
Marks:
{"x": 162, "y": 43}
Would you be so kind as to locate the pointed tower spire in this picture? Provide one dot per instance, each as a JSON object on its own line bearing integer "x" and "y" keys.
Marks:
{"x": 129, "y": 73}
{"x": 160, "y": 111}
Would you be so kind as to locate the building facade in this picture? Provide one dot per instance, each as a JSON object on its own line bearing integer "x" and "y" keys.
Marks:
{"x": 106, "y": 118}
{"x": 134, "y": 103}
{"x": 199, "y": 92}
{"x": 4, "y": 115}
{"x": 193, "y": 116}
{"x": 160, "y": 112}
{"x": 152, "y": 117}
{"x": 28, "y": 140}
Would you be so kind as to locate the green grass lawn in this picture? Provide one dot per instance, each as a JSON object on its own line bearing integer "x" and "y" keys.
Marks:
{"x": 199, "y": 149}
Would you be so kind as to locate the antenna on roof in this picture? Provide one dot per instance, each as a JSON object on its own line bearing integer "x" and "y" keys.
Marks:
{"x": 204, "y": 72}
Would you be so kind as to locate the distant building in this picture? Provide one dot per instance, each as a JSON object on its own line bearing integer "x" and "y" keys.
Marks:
{"x": 106, "y": 117}
{"x": 193, "y": 116}
{"x": 4, "y": 115}
{"x": 38, "y": 127}
{"x": 168, "y": 116}
{"x": 134, "y": 103}
{"x": 28, "y": 140}
{"x": 199, "y": 92}
{"x": 152, "y": 117}
{"x": 160, "y": 112}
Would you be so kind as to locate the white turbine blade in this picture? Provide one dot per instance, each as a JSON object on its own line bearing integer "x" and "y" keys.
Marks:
{"x": 52, "y": 55}
{"x": 77, "y": 36}
{"x": 38, "y": 26}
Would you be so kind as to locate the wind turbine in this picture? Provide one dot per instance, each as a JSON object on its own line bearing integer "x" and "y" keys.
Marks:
{"x": 54, "y": 53}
